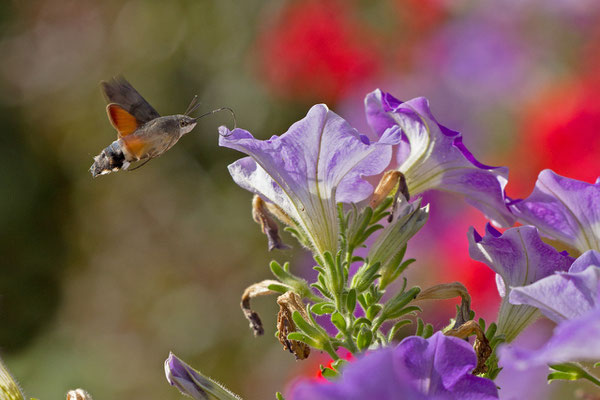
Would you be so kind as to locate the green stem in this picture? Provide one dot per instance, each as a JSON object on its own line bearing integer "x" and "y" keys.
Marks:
{"x": 587, "y": 375}
{"x": 328, "y": 347}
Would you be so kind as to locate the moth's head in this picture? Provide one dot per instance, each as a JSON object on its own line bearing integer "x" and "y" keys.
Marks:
{"x": 185, "y": 123}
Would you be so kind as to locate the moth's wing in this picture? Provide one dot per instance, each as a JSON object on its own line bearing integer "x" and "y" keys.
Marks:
{"x": 124, "y": 122}
{"x": 119, "y": 91}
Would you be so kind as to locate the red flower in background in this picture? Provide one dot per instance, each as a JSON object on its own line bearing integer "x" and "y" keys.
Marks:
{"x": 561, "y": 131}
{"x": 317, "y": 50}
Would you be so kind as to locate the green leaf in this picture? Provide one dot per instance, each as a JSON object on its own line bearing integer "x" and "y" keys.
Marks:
{"x": 338, "y": 365}
{"x": 491, "y": 331}
{"x": 363, "y": 341}
{"x": 322, "y": 290}
{"x": 281, "y": 273}
{"x": 428, "y": 331}
{"x": 279, "y": 288}
{"x": 420, "y": 327}
{"x": 301, "y": 337}
{"x": 279, "y": 396}
{"x": 339, "y": 321}
{"x": 373, "y": 310}
{"x": 322, "y": 308}
{"x": 362, "y": 321}
{"x": 305, "y": 327}
{"x": 571, "y": 371}
{"x": 351, "y": 301}
{"x": 397, "y": 326}
{"x": 567, "y": 376}
{"x": 394, "y": 307}
{"x": 328, "y": 372}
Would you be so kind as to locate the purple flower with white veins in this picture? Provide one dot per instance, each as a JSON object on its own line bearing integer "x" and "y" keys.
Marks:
{"x": 432, "y": 156}
{"x": 519, "y": 257}
{"x": 573, "y": 301}
{"x": 317, "y": 163}
{"x": 435, "y": 368}
{"x": 563, "y": 209}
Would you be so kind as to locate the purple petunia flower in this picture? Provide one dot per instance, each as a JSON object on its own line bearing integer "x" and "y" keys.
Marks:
{"x": 435, "y": 368}
{"x": 563, "y": 209}
{"x": 519, "y": 257}
{"x": 565, "y": 296}
{"x": 432, "y": 156}
{"x": 317, "y": 163}
{"x": 573, "y": 301}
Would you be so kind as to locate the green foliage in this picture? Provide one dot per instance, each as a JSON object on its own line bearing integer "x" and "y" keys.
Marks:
{"x": 571, "y": 372}
{"x": 492, "y": 362}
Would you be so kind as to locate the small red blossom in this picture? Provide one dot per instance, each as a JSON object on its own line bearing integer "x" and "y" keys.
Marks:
{"x": 561, "y": 131}
{"x": 317, "y": 50}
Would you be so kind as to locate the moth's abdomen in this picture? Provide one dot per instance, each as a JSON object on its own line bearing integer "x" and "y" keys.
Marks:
{"x": 111, "y": 159}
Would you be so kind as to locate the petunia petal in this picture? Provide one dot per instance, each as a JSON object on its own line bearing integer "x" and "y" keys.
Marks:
{"x": 432, "y": 156}
{"x": 520, "y": 258}
{"x": 562, "y": 296}
{"x": 318, "y": 162}
{"x": 435, "y": 368}
{"x": 563, "y": 209}
{"x": 574, "y": 340}
{"x": 442, "y": 365}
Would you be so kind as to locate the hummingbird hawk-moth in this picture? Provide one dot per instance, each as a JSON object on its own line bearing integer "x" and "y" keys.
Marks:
{"x": 142, "y": 134}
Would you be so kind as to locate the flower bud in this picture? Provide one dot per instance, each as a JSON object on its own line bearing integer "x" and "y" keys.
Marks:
{"x": 9, "y": 389}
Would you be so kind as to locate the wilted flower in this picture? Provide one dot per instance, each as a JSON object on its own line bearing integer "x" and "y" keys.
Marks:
{"x": 573, "y": 301}
{"x": 519, "y": 257}
{"x": 432, "y": 156}
{"x": 317, "y": 163}
{"x": 563, "y": 209}
{"x": 435, "y": 368}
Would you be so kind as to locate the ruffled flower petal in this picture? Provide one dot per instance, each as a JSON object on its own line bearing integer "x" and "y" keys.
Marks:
{"x": 317, "y": 163}
{"x": 435, "y": 368}
{"x": 572, "y": 341}
{"x": 563, "y": 209}
{"x": 562, "y": 296}
{"x": 432, "y": 156}
{"x": 520, "y": 258}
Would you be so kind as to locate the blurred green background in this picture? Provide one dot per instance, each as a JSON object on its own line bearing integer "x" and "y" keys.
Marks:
{"x": 101, "y": 278}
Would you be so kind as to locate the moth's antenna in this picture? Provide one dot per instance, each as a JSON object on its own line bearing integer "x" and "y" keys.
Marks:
{"x": 193, "y": 105}
{"x": 216, "y": 111}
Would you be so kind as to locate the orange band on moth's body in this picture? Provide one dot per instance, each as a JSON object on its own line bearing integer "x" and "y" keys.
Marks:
{"x": 135, "y": 146}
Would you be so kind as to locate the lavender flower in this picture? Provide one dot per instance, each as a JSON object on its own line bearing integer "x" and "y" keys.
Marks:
{"x": 432, "y": 156}
{"x": 573, "y": 301}
{"x": 563, "y": 209}
{"x": 564, "y": 296}
{"x": 305, "y": 172}
{"x": 435, "y": 368}
{"x": 574, "y": 340}
{"x": 519, "y": 257}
